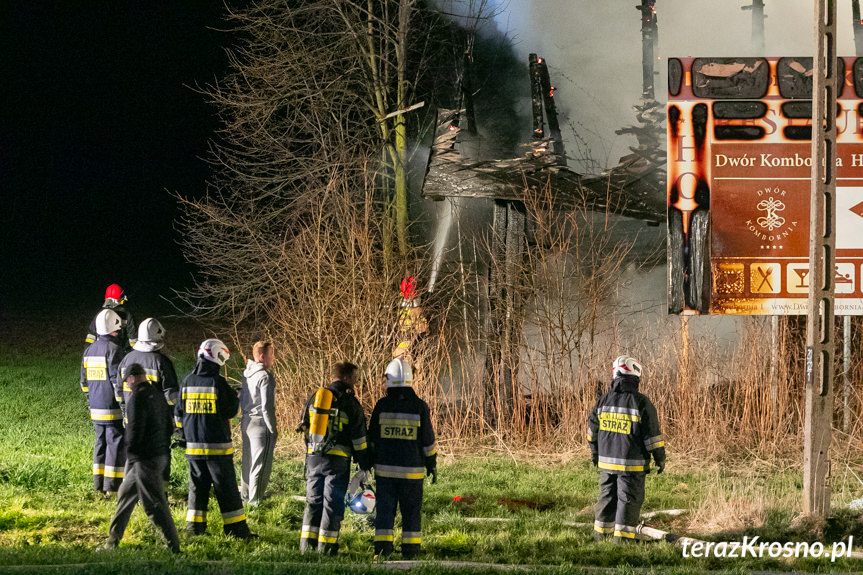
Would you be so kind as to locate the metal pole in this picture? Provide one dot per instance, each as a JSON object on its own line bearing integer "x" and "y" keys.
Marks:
{"x": 774, "y": 371}
{"x": 846, "y": 373}
{"x": 820, "y": 346}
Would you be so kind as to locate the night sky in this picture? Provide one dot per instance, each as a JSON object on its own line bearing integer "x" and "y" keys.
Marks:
{"x": 97, "y": 121}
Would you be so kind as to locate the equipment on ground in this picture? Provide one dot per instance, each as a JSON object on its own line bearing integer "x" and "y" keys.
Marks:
{"x": 361, "y": 494}
{"x": 107, "y": 322}
{"x": 214, "y": 350}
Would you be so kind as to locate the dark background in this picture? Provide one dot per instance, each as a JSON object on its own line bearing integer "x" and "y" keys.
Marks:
{"x": 98, "y": 123}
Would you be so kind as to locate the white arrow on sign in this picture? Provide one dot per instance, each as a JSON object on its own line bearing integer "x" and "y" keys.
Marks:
{"x": 849, "y": 218}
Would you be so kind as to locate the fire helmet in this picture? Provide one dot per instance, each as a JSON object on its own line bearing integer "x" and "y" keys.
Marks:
{"x": 625, "y": 365}
{"x": 361, "y": 496}
{"x": 108, "y": 321}
{"x": 151, "y": 335}
{"x": 115, "y": 292}
{"x": 214, "y": 350}
{"x": 408, "y": 287}
{"x": 399, "y": 373}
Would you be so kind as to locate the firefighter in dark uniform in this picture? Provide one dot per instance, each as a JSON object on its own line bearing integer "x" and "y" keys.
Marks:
{"x": 623, "y": 432}
{"x": 335, "y": 430}
{"x": 207, "y": 403}
{"x": 114, "y": 300}
{"x": 403, "y": 446}
{"x": 159, "y": 369}
{"x": 100, "y": 371}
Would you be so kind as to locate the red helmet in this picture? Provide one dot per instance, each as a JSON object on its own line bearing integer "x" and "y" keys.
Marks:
{"x": 408, "y": 288}
{"x": 114, "y": 292}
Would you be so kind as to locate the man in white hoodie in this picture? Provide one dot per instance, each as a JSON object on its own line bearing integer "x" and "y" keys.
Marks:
{"x": 257, "y": 400}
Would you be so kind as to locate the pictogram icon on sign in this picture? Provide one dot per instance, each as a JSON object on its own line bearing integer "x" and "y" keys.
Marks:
{"x": 765, "y": 278}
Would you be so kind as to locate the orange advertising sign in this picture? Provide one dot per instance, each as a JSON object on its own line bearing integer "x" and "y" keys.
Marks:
{"x": 739, "y": 167}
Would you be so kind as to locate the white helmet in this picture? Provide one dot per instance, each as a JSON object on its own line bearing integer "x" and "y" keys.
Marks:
{"x": 108, "y": 321}
{"x": 625, "y": 365}
{"x": 214, "y": 350}
{"x": 399, "y": 373}
{"x": 361, "y": 496}
{"x": 151, "y": 335}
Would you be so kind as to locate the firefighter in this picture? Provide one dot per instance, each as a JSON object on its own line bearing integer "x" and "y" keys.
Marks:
{"x": 412, "y": 325}
{"x": 403, "y": 447}
{"x": 100, "y": 370}
{"x": 115, "y": 299}
{"x": 148, "y": 444}
{"x": 258, "y": 405}
{"x": 623, "y": 432}
{"x": 207, "y": 403}
{"x": 147, "y": 352}
{"x": 335, "y": 430}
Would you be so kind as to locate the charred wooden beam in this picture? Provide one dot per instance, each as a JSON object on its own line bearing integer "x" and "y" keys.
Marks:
{"x": 536, "y": 98}
{"x": 551, "y": 111}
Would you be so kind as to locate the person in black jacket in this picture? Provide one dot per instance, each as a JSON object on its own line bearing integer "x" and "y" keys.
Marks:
{"x": 148, "y": 449}
{"x": 403, "y": 447}
{"x": 328, "y": 459}
{"x": 207, "y": 403}
{"x": 100, "y": 373}
{"x": 623, "y": 432}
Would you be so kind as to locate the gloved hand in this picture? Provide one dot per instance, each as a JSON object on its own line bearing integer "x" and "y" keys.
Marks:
{"x": 432, "y": 472}
{"x": 594, "y": 457}
{"x": 178, "y": 442}
{"x": 660, "y": 467}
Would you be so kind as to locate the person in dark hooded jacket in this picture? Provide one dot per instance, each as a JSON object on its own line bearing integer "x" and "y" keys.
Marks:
{"x": 623, "y": 433}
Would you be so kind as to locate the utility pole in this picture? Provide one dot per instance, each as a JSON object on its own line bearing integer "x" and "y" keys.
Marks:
{"x": 649, "y": 37}
{"x": 820, "y": 344}
{"x": 758, "y": 17}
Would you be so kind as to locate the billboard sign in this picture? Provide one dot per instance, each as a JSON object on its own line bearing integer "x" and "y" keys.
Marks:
{"x": 739, "y": 168}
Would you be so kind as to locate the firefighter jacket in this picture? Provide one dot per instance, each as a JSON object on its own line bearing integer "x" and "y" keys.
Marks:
{"x": 100, "y": 374}
{"x": 401, "y": 434}
{"x": 258, "y": 395}
{"x": 148, "y": 431}
{"x": 160, "y": 373}
{"x": 128, "y": 334}
{"x": 207, "y": 403}
{"x": 623, "y": 429}
{"x": 350, "y": 429}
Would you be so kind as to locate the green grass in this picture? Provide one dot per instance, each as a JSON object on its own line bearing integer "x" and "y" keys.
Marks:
{"x": 49, "y": 515}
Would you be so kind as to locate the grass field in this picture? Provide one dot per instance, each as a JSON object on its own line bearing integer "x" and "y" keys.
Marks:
{"x": 513, "y": 508}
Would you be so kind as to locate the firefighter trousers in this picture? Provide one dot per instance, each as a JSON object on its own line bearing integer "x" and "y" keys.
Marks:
{"x": 257, "y": 463}
{"x": 407, "y": 495}
{"x": 327, "y": 479}
{"x": 220, "y": 474}
{"x": 143, "y": 480}
{"x": 109, "y": 457}
{"x": 619, "y": 506}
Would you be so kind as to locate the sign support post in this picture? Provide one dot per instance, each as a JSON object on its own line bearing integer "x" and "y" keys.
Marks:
{"x": 820, "y": 344}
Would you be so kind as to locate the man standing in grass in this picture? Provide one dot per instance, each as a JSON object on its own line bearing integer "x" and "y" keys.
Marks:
{"x": 207, "y": 404}
{"x": 335, "y": 429}
{"x": 403, "y": 444}
{"x": 100, "y": 371}
{"x": 623, "y": 432}
{"x": 148, "y": 445}
{"x": 258, "y": 404}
